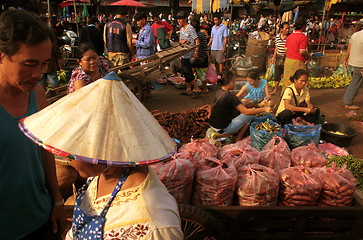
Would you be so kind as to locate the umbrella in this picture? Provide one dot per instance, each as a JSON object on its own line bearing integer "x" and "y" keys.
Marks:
{"x": 85, "y": 11}
{"x": 130, "y": 3}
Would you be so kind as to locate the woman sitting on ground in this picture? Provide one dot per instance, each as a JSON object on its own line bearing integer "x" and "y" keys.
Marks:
{"x": 229, "y": 115}
{"x": 91, "y": 67}
{"x": 257, "y": 90}
{"x": 295, "y": 101}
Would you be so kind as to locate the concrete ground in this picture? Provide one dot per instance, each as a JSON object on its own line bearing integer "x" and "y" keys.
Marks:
{"x": 167, "y": 98}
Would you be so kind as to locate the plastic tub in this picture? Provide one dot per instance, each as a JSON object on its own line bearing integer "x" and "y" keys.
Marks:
{"x": 339, "y": 140}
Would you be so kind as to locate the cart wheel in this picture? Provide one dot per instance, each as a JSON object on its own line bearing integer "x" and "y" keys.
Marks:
{"x": 198, "y": 224}
{"x": 133, "y": 84}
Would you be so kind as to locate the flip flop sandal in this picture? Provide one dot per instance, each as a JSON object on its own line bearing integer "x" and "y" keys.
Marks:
{"x": 352, "y": 107}
{"x": 205, "y": 91}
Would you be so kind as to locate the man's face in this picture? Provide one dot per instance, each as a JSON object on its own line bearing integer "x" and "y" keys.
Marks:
{"x": 182, "y": 22}
{"x": 216, "y": 21}
{"x": 24, "y": 69}
{"x": 285, "y": 29}
{"x": 141, "y": 22}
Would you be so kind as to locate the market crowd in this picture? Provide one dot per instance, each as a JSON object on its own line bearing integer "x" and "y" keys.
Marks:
{"x": 28, "y": 55}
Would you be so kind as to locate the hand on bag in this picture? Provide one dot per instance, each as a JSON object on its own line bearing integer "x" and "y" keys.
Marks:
{"x": 268, "y": 109}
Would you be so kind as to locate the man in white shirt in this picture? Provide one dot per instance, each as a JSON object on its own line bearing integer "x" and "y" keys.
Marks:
{"x": 355, "y": 61}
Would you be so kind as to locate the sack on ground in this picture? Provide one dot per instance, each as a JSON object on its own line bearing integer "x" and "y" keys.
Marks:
{"x": 339, "y": 185}
{"x": 299, "y": 186}
{"x": 177, "y": 175}
{"x": 198, "y": 149}
{"x": 267, "y": 117}
{"x": 257, "y": 185}
{"x": 276, "y": 154}
{"x": 215, "y": 182}
{"x": 302, "y": 135}
{"x": 239, "y": 156}
{"x": 308, "y": 156}
{"x": 259, "y": 138}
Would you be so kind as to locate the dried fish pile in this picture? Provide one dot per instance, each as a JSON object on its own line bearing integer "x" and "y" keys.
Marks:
{"x": 184, "y": 125}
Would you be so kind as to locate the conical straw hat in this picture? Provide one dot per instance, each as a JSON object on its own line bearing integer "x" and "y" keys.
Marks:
{"x": 101, "y": 123}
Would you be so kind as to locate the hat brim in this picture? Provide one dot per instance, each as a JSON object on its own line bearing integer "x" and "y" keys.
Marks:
{"x": 71, "y": 156}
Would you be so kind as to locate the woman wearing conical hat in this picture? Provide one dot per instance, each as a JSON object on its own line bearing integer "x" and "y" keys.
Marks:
{"x": 110, "y": 138}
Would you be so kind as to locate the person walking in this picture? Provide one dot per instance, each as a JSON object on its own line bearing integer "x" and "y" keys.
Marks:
{"x": 296, "y": 52}
{"x": 188, "y": 36}
{"x": 92, "y": 34}
{"x": 218, "y": 43}
{"x": 31, "y": 204}
{"x": 354, "y": 60}
{"x": 118, "y": 40}
{"x": 279, "y": 55}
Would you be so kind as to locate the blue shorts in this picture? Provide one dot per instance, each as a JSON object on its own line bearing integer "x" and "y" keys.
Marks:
{"x": 237, "y": 123}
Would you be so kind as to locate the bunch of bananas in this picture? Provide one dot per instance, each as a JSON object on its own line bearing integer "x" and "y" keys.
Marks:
{"x": 324, "y": 82}
{"x": 268, "y": 127}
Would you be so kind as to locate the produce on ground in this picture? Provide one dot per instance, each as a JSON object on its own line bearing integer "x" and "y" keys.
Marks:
{"x": 299, "y": 121}
{"x": 276, "y": 154}
{"x": 339, "y": 185}
{"x": 198, "y": 149}
{"x": 352, "y": 163}
{"x": 338, "y": 133}
{"x": 177, "y": 174}
{"x": 299, "y": 186}
{"x": 215, "y": 182}
{"x": 268, "y": 127}
{"x": 260, "y": 137}
{"x": 263, "y": 114}
{"x": 239, "y": 156}
{"x": 357, "y": 117}
{"x": 324, "y": 82}
{"x": 257, "y": 185}
{"x": 184, "y": 125}
{"x": 308, "y": 156}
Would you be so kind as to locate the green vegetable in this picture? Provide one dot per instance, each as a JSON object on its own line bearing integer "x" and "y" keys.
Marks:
{"x": 352, "y": 163}
{"x": 358, "y": 117}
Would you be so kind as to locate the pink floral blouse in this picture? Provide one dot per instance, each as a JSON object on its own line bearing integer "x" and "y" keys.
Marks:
{"x": 79, "y": 74}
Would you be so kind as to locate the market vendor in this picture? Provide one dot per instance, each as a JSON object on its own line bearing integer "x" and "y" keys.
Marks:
{"x": 228, "y": 115}
{"x": 256, "y": 89}
{"x": 295, "y": 101}
{"x": 91, "y": 67}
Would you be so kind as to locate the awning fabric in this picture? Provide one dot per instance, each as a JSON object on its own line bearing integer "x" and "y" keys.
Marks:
{"x": 203, "y": 6}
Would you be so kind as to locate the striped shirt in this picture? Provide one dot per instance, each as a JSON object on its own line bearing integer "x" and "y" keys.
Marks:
{"x": 280, "y": 45}
{"x": 190, "y": 35}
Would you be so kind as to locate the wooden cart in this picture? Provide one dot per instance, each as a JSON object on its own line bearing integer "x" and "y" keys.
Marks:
{"x": 136, "y": 74}
{"x": 278, "y": 222}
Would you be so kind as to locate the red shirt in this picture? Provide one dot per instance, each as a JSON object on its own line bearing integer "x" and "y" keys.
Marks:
{"x": 164, "y": 24}
{"x": 294, "y": 42}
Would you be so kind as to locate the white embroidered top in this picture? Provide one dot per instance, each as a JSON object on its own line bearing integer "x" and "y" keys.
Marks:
{"x": 147, "y": 211}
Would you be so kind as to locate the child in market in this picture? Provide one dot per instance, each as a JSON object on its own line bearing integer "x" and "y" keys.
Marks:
{"x": 257, "y": 91}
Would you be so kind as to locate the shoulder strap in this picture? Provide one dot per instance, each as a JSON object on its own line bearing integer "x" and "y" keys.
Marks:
{"x": 292, "y": 94}
{"x": 220, "y": 96}
{"x": 292, "y": 90}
